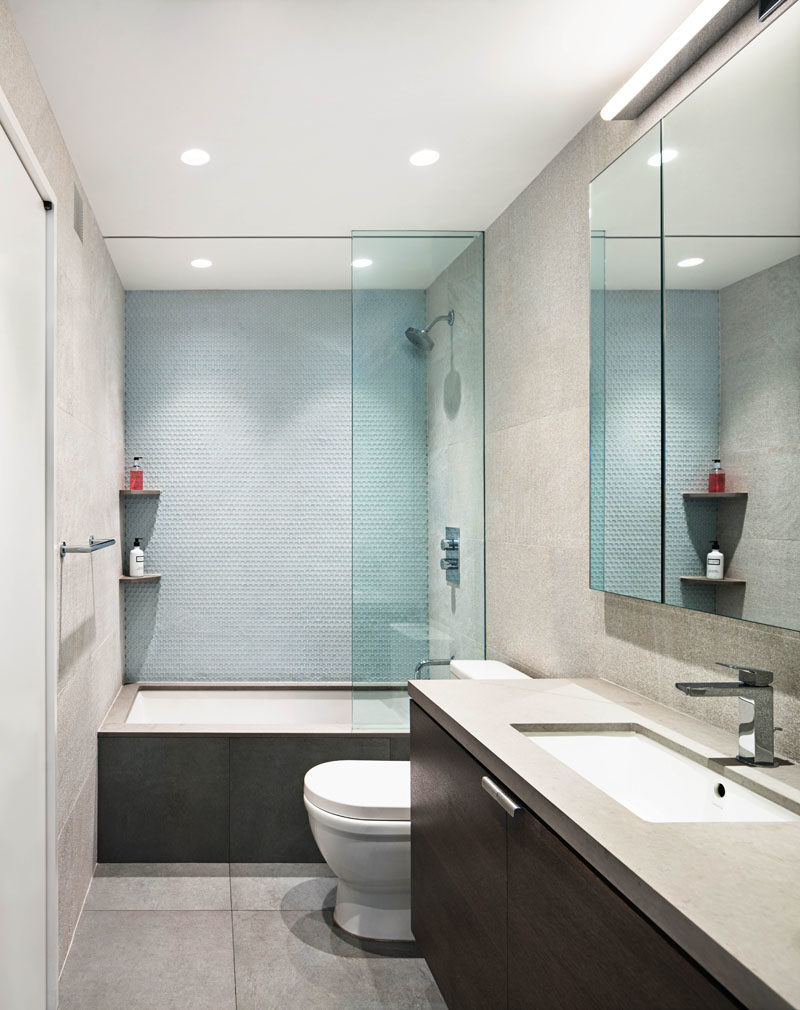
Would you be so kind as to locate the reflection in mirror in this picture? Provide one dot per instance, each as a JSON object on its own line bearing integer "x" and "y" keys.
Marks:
{"x": 732, "y": 208}
{"x": 735, "y": 384}
{"x": 626, "y": 374}
{"x": 736, "y": 143}
{"x": 729, "y": 354}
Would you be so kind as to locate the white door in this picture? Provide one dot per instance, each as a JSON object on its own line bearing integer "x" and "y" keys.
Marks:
{"x": 23, "y": 821}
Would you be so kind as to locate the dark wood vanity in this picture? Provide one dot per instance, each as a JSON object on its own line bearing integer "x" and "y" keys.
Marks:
{"x": 509, "y": 917}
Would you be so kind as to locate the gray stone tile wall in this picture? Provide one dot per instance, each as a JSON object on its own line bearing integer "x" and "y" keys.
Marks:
{"x": 89, "y": 468}
{"x": 455, "y": 457}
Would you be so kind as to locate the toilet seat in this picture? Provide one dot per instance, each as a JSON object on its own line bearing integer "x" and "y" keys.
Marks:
{"x": 364, "y": 790}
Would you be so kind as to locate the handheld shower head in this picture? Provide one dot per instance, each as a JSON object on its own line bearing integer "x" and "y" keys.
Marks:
{"x": 420, "y": 338}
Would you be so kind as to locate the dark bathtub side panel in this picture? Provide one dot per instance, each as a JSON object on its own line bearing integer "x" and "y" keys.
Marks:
{"x": 269, "y": 823}
{"x": 400, "y": 747}
{"x": 162, "y": 799}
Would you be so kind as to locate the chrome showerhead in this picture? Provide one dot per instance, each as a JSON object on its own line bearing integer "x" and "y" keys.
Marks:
{"x": 420, "y": 338}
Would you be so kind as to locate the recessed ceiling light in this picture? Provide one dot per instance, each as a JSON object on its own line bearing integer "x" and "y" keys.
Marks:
{"x": 692, "y": 261}
{"x": 668, "y": 154}
{"x": 195, "y": 156}
{"x": 362, "y": 262}
{"x": 201, "y": 264}
{"x": 424, "y": 157}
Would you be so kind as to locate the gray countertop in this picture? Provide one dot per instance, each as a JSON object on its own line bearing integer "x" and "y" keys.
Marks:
{"x": 727, "y": 893}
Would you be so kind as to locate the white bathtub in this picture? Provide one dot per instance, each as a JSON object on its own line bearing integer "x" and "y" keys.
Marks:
{"x": 328, "y": 709}
{"x": 240, "y": 707}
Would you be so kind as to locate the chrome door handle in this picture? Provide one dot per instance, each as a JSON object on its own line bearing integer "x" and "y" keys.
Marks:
{"x": 511, "y": 807}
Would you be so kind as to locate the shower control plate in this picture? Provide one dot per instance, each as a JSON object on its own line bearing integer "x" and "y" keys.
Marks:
{"x": 450, "y": 563}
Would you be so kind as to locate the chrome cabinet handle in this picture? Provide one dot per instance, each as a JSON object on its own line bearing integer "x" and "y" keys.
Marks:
{"x": 493, "y": 789}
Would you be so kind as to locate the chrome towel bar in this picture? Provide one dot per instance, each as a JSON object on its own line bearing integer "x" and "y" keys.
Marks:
{"x": 93, "y": 545}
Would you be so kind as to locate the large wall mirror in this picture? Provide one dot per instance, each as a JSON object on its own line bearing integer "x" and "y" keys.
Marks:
{"x": 695, "y": 339}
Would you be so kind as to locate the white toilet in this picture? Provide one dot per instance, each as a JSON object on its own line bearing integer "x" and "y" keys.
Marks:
{"x": 359, "y": 812}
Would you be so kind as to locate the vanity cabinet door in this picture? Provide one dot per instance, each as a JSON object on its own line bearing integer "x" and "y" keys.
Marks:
{"x": 576, "y": 944}
{"x": 458, "y": 870}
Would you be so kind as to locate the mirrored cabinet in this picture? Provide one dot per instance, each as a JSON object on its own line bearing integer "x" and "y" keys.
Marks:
{"x": 695, "y": 317}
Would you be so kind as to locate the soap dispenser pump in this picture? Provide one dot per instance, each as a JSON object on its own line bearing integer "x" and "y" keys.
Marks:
{"x": 136, "y": 563}
{"x": 715, "y": 562}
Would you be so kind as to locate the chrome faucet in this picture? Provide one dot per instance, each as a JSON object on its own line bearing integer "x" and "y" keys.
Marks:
{"x": 756, "y": 730}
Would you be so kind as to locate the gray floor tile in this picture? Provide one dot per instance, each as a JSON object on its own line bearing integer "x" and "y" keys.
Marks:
{"x": 287, "y": 886}
{"x": 150, "y": 961}
{"x": 160, "y": 886}
{"x": 300, "y": 961}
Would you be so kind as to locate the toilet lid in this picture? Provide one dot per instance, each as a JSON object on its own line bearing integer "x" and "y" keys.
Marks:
{"x": 370, "y": 790}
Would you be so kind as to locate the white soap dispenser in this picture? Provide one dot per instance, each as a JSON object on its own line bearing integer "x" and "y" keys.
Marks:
{"x": 136, "y": 564}
{"x": 715, "y": 562}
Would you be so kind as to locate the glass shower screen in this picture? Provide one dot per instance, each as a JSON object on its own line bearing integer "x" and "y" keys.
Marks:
{"x": 418, "y": 474}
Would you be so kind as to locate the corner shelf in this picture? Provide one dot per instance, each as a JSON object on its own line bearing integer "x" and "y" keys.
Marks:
{"x": 702, "y": 580}
{"x": 151, "y": 577}
{"x": 708, "y": 495}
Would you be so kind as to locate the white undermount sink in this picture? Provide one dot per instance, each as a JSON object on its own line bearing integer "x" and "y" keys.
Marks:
{"x": 652, "y": 780}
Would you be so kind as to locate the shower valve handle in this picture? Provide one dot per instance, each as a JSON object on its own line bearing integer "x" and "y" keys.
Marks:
{"x": 449, "y": 545}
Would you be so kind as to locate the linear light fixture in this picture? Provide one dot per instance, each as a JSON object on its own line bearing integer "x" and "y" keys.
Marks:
{"x": 766, "y": 7}
{"x": 704, "y": 26}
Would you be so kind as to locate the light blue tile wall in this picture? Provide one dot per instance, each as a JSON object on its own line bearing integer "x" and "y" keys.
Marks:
{"x": 691, "y": 378}
{"x": 626, "y": 435}
{"x": 239, "y": 402}
{"x": 390, "y": 598}
{"x": 632, "y": 511}
{"x": 597, "y": 414}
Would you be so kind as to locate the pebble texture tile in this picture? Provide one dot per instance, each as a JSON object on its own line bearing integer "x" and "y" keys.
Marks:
{"x": 628, "y": 424}
{"x": 389, "y": 485}
{"x": 691, "y": 377}
{"x": 239, "y": 402}
{"x": 632, "y": 500}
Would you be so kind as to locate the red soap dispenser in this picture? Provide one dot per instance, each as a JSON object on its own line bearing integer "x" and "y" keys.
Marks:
{"x": 716, "y": 479}
{"x": 136, "y": 482}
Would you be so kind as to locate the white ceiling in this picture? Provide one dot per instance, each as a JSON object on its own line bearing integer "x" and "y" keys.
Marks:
{"x": 310, "y": 108}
